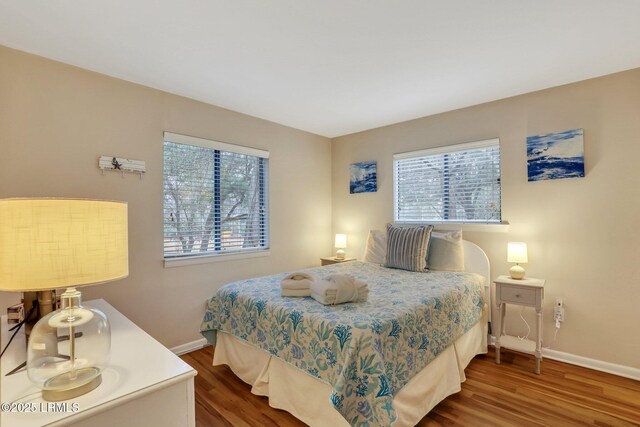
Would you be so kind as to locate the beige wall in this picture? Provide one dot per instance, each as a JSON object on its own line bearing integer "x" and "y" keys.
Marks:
{"x": 56, "y": 120}
{"x": 582, "y": 233}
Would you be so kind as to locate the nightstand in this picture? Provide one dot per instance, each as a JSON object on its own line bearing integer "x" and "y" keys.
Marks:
{"x": 528, "y": 292}
{"x": 333, "y": 260}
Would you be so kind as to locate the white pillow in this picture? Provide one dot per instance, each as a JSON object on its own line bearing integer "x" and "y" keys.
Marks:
{"x": 446, "y": 252}
{"x": 376, "y": 249}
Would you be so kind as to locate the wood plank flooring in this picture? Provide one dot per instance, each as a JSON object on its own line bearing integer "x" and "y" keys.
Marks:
{"x": 509, "y": 394}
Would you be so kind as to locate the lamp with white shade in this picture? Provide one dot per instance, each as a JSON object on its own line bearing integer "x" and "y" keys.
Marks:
{"x": 517, "y": 253}
{"x": 340, "y": 244}
{"x": 47, "y": 244}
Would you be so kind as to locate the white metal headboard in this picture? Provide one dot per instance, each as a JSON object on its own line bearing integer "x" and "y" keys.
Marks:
{"x": 476, "y": 261}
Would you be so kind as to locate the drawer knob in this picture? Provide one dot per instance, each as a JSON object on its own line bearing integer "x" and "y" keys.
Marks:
{"x": 517, "y": 295}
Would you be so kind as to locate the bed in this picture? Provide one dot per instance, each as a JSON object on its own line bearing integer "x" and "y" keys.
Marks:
{"x": 387, "y": 361}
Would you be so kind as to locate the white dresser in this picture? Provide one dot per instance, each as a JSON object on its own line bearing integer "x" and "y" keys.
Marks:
{"x": 145, "y": 384}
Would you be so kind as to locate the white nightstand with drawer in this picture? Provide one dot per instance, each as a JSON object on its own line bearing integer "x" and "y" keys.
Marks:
{"x": 527, "y": 292}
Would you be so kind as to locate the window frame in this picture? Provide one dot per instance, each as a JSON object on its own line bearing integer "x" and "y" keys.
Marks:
{"x": 456, "y": 224}
{"x": 219, "y": 254}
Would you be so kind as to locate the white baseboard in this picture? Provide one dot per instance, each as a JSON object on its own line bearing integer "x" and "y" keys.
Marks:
{"x": 189, "y": 347}
{"x": 598, "y": 365}
{"x": 585, "y": 362}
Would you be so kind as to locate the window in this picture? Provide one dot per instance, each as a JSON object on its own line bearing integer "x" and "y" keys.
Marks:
{"x": 459, "y": 183}
{"x": 215, "y": 197}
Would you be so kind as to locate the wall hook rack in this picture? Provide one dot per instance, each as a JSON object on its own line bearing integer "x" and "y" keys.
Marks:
{"x": 122, "y": 165}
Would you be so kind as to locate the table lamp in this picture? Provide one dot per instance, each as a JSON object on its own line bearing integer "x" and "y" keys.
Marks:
{"x": 517, "y": 252}
{"x": 55, "y": 243}
{"x": 340, "y": 244}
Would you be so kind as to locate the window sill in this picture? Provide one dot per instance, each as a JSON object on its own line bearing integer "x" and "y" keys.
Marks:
{"x": 205, "y": 259}
{"x": 502, "y": 227}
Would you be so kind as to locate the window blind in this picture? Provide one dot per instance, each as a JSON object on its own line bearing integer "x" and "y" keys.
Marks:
{"x": 459, "y": 183}
{"x": 215, "y": 201}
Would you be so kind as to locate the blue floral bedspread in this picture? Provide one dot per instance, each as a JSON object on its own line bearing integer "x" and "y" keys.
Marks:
{"x": 365, "y": 351}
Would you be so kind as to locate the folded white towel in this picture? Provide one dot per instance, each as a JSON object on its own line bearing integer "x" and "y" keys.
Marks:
{"x": 298, "y": 275}
{"x": 362, "y": 290}
{"x": 296, "y": 285}
{"x": 331, "y": 300}
{"x": 338, "y": 289}
{"x": 295, "y": 292}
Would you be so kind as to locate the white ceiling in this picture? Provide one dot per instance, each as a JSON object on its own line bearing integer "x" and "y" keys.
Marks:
{"x": 333, "y": 67}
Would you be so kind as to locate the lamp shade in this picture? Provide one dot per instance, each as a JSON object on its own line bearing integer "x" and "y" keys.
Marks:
{"x": 341, "y": 241}
{"x": 517, "y": 252}
{"x": 55, "y": 243}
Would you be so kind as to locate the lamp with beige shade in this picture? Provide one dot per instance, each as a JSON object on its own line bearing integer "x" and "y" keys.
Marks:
{"x": 47, "y": 244}
{"x": 340, "y": 244}
{"x": 517, "y": 252}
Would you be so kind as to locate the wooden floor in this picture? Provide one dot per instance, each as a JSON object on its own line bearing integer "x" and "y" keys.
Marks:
{"x": 509, "y": 394}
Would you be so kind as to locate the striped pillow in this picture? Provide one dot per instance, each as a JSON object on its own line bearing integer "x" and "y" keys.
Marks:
{"x": 407, "y": 247}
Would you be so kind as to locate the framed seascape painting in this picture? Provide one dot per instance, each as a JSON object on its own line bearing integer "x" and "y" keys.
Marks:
{"x": 556, "y": 155}
{"x": 362, "y": 177}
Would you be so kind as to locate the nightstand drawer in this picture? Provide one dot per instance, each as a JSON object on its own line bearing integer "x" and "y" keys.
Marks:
{"x": 517, "y": 295}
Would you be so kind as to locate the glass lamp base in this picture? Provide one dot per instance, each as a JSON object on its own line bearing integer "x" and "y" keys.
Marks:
{"x": 68, "y": 349}
{"x": 65, "y": 386}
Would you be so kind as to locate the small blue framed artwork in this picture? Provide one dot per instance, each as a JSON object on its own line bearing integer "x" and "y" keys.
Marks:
{"x": 556, "y": 155}
{"x": 363, "y": 177}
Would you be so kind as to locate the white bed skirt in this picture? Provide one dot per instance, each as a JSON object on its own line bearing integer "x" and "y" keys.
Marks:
{"x": 307, "y": 398}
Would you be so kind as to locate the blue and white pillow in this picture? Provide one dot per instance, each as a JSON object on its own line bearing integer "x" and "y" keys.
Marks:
{"x": 407, "y": 247}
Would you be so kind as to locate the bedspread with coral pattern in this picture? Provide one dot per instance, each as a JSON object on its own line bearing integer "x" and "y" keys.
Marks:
{"x": 365, "y": 351}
